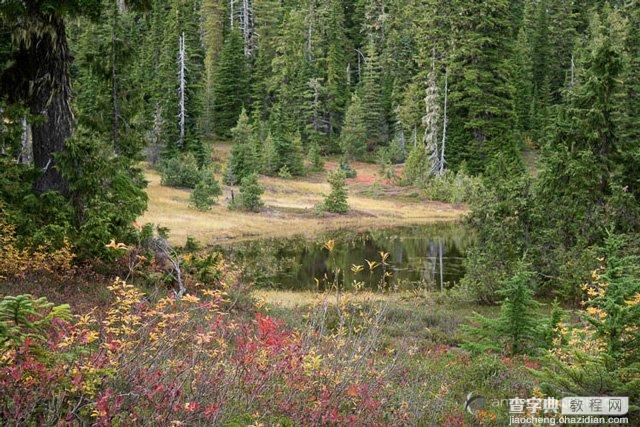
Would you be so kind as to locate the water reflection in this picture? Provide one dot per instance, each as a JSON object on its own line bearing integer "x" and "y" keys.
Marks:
{"x": 430, "y": 255}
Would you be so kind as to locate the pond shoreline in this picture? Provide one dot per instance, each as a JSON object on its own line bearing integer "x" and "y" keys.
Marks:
{"x": 429, "y": 255}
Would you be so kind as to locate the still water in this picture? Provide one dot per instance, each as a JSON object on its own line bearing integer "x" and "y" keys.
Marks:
{"x": 427, "y": 256}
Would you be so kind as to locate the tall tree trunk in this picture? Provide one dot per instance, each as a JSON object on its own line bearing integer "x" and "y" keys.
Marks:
{"x": 39, "y": 78}
{"x": 26, "y": 151}
{"x": 182, "y": 53}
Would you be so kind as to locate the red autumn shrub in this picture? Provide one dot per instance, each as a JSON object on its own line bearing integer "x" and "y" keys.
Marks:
{"x": 188, "y": 361}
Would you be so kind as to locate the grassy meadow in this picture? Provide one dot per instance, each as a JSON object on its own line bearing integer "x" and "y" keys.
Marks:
{"x": 290, "y": 207}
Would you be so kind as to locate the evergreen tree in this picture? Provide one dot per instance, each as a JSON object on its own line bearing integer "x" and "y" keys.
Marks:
{"x": 177, "y": 96}
{"x": 424, "y": 159}
{"x": 630, "y": 123}
{"x": 600, "y": 355}
{"x": 354, "y": 131}
{"x": 268, "y": 17}
{"x": 206, "y": 192}
{"x": 516, "y": 329}
{"x": 213, "y": 15}
{"x": 244, "y": 160}
{"x": 580, "y": 188}
{"x": 481, "y": 106}
{"x": 431, "y": 122}
{"x": 336, "y": 200}
{"x": 230, "y": 91}
{"x": 373, "y": 111}
{"x": 270, "y": 159}
{"x": 250, "y": 192}
{"x": 315, "y": 158}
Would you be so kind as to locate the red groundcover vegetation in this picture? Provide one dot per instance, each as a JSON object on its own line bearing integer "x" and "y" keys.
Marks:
{"x": 187, "y": 361}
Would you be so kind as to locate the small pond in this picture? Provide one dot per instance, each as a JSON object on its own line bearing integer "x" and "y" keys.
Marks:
{"x": 419, "y": 256}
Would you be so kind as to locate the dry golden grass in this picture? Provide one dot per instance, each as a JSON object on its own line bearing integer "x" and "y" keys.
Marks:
{"x": 302, "y": 299}
{"x": 289, "y": 209}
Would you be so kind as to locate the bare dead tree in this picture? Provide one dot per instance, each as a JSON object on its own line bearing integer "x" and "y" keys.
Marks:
{"x": 182, "y": 80}
{"x": 165, "y": 252}
{"x": 247, "y": 27}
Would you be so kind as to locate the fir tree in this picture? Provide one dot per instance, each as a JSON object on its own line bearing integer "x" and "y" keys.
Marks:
{"x": 354, "y": 131}
{"x": 244, "y": 160}
{"x": 315, "y": 158}
{"x": 250, "y": 192}
{"x": 481, "y": 105}
{"x": 336, "y": 200}
{"x": 206, "y": 192}
{"x": 430, "y": 123}
{"x": 580, "y": 191}
{"x": 213, "y": 15}
{"x": 373, "y": 111}
{"x": 516, "y": 329}
{"x": 230, "y": 91}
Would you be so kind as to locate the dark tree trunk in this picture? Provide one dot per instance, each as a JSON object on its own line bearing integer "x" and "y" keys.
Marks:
{"x": 39, "y": 78}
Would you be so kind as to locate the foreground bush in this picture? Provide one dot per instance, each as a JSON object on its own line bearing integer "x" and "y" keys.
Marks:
{"x": 188, "y": 361}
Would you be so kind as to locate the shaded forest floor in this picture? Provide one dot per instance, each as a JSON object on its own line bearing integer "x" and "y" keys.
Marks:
{"x": 290, "y": 207}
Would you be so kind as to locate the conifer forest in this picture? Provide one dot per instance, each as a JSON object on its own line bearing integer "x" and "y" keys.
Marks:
{"x": 319, "y": 212}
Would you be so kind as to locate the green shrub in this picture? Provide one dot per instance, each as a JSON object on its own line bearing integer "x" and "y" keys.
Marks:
{"x": 206, "y": 192}
{"x": 284, "y": 172}
{"x": 180, "y": 171}
{"x": 250, "y": 192}
{"x": 283, "y": 149}
{"x": 192, "y": 244}
{"x": 395, "y": 153}
{"x": 336, "y": 200}
{"x": 416, "y": 168}
{"x": 453, "y": 187}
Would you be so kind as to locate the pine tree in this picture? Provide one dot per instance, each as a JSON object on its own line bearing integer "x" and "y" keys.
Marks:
{"x": 250, "y": 192}
{"x": 336, "y": 200}
{"x": 206, "y": 192}
{"x": 230, "y": 91}
{"x": 580, "y": 171}
{"x": 630, "y": 126}
{"x": 424, "y": 159}
{"x": 244, "y": 161}
{"x": 315, "y": 158}
{"x": 268, "y": 17}
{"x": 180, "y": 29}
{"x": 213, "y": 15}
{"x": 516, "y": 329}
{"x": 373, "y": 111}
{"x": 354, "y": 131}
{"x": 337, "y": 51}
{"x": 481, "y": 114}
